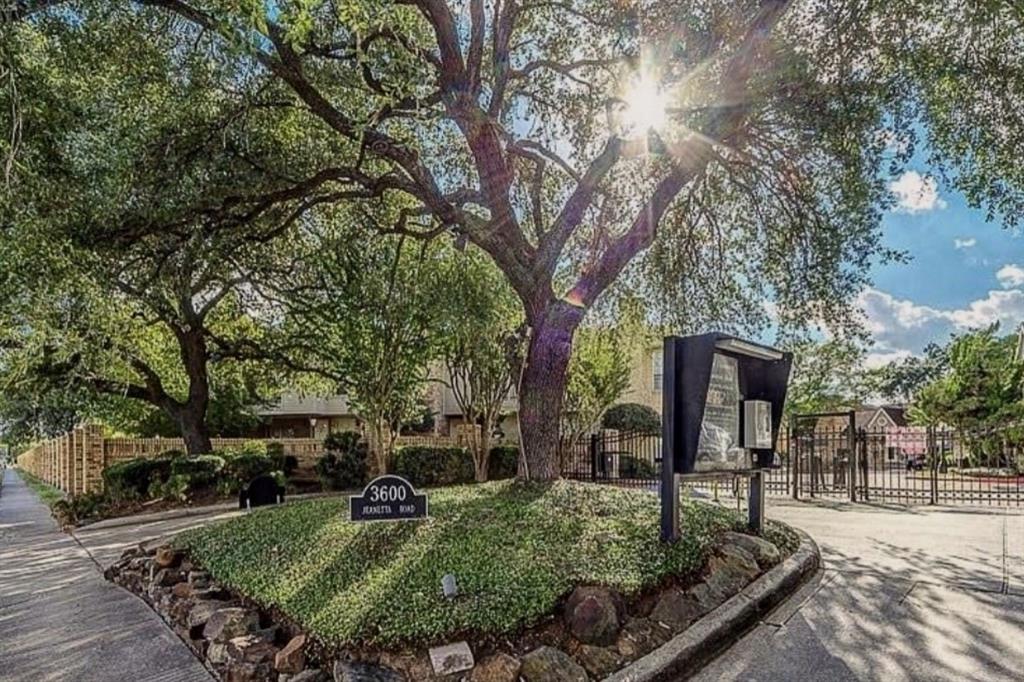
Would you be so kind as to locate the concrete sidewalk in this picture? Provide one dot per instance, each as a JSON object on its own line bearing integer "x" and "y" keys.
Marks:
{"x": 916, "y": 593}
{"x": 60, "y": 620}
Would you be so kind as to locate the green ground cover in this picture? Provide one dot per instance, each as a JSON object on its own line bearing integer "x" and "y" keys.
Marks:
{"x": 515, "y": 549}
{"x": 46, "y": 492}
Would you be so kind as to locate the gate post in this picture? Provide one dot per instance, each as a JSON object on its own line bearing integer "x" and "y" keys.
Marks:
{"x": 595, "y": 453}
{"x": 851, "y": 443}
{"x": 755, "y": 502}
{"x": 794, "y": 456}
{"x": 933, "y": 464}
{"x": 862, "y": 457}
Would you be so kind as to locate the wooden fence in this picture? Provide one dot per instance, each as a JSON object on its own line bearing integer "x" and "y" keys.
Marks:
{"x": 74, "y": 462}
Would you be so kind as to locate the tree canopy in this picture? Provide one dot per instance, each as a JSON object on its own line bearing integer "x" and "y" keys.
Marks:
{"x": 708, "y": 156}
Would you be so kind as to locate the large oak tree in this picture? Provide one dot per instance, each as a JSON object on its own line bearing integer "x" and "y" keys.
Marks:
{"x": 747, "y": 142}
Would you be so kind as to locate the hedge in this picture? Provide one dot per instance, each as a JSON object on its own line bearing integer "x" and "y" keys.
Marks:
{"x": 132, "y": 478}
{"x": 434, "y": 466}
{"x": 201, "y": 470}
{"x": 633, "y": 467}
{"x": 632, "y": 417}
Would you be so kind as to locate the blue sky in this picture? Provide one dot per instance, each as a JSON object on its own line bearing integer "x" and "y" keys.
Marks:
{"x": 964, "y": 272}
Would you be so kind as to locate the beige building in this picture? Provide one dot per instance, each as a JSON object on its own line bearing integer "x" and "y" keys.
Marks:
{"x": 296, "y": 416}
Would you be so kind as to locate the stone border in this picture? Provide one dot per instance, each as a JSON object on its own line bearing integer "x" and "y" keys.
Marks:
{"x": 687, "y": 652}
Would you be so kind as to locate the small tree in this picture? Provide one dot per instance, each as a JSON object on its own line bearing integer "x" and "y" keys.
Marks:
{"x": 598, "y": 375}
{"x": 480, "y": 324}
{"x": 363, "y": 319}
{"x": 826, "y": 375}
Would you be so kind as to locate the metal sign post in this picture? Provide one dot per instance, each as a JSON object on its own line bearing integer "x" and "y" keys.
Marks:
{"x": 721, "y": 411}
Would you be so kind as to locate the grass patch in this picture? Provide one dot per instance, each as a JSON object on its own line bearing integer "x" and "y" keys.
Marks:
{"x": 515, "y": 549}
{"x": 46, "y": 492}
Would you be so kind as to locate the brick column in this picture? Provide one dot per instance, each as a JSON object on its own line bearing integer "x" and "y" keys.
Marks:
{"x": 73, "y": 461}
{"x": 92, "y": 458}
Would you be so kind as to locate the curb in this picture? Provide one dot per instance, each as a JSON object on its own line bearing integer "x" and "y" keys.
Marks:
{"x": 688, "y": 651}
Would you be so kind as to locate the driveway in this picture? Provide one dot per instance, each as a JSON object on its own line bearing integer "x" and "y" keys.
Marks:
{"x": 915, "y": 593}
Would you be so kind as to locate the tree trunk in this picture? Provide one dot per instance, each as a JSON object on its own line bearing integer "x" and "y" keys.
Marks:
{"x": 542, "y": 390}
{"x": 193, "y": 430}
{"x": 192, "y": 415}
{"x": 483, "y": 455}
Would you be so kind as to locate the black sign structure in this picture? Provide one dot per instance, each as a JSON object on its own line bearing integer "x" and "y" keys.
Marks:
{"x": 388, "y": 498}
{"x": 708, "y": 379}
{"x": 261, "y": 491}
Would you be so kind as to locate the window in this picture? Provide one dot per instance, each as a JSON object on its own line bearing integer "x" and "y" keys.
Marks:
{"x": 657, "y": 367}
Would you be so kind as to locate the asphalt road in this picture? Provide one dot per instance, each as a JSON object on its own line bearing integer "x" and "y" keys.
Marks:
{"x": 915, "y": 593}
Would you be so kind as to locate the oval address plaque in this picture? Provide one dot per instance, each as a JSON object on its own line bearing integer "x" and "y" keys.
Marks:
{"x": 388, "y": 498}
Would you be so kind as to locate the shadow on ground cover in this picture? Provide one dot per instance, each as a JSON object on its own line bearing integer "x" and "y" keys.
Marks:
{"x": 515, "y": 549}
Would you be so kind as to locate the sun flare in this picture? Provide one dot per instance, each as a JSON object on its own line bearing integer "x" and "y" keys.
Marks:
{"x": 644, "y": 106}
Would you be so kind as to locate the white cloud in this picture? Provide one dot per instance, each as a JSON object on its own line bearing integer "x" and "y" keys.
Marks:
{"x": 900, "y": 325}
{"x": 883, "y": 358}
{"x": 916, "y": 193}
{"x": 964, "y": 243}
{"x": 1010, "y": 275}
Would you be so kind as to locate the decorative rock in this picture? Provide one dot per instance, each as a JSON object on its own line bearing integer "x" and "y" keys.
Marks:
{"x": 251, "y": 649}
{"x": 598, "y": 661}
{"x": 217, "y": 653}
{"x": 593, "y": 615}
{"x": 765, "y": 553}
{"x": 292, "y": 658}
{"x": 451, "y": 658}
{"x": 496, "y": 668}
{"x": 310, "y": 675}
{"x": 707, "y": 598}
{"x": 212, "y": 593}
{"x": 182, "y": 590}
{"x": 676, "y": 610}
{"x": 227, "y": 623}
{"x": 345, "y": 671}
{"x": 167, "y": 557}
{"x": 741, "y": 559}
{"x": 641, "y": 636}
{"x": 199, "y": 579}
{"x": 201, "y": 613}
{"x": 547, "y": 664}
{"x": 726, "y": 577}
{"x": 413, "y": 667}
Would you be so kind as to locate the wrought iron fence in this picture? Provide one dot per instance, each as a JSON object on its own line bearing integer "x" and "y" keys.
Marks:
{"x": 830, "y": 457}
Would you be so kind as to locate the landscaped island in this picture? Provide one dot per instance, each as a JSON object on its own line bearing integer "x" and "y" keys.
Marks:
{"x": 520, "y": 553}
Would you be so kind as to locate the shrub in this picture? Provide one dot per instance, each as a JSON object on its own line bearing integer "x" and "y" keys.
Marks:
{"x": 633, "y": 467}
{"x": 72, "y": 511}
{"x": 242, "y": 466}
{"x": 174, "y": 488}
{"x": 503, "y": 462}
{"x": 434, "y": 466}
{"x": 201, "y": 470}
{"x": 632, "y": 417}
{"x": 131, "y": 479}
{"x": 343, "y": 466}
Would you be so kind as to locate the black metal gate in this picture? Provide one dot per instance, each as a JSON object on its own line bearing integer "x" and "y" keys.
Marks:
{"x": 828, "y": 456}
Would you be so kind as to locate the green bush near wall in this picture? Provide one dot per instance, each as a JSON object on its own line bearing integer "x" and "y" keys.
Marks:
{"x": 201, "y": 471}
{"x": 131, "y": 479}
{"x": 343, "y": 466}
{"x": 423, "y": 466}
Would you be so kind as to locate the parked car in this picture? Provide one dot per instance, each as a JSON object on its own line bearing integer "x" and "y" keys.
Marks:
{"x": 916, "y": 462}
